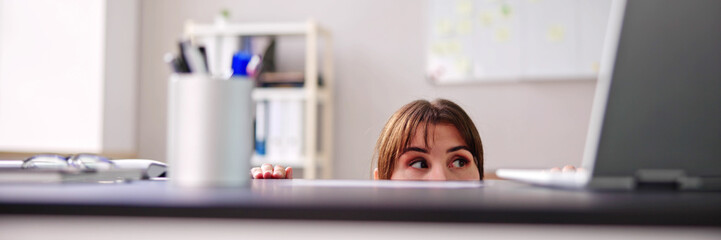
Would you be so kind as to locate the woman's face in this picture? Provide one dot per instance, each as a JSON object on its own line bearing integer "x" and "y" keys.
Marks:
{"x": 447, "y": 157}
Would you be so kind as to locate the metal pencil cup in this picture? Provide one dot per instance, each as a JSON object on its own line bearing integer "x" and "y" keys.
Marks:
{"x": 210, "y": 131}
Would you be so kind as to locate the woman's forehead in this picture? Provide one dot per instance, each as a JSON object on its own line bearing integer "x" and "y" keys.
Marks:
{"x": 427, "y": 135}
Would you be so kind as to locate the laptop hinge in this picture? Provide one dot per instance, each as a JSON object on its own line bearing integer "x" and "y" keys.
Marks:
{"x": 656, "y": 179}
{"x": 612, "y": 183}
{"x": 662, "y": 179}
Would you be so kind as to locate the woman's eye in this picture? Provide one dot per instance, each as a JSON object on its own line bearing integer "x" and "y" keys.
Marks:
{"x": 459, "y": 163}
{"x": 419, "y": 164}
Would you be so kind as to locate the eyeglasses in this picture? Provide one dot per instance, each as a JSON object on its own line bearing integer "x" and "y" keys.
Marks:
{"x": 77, "y": 161}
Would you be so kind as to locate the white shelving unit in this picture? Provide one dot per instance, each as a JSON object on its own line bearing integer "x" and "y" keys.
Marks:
{"x": 313, "y": 160}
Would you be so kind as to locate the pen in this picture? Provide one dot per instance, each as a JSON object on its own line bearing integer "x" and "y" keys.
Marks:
{"x": 174, "y": 63}
{"x": 181, "y": 61}
{"x": 204, "y": 55}
{"x": 193, "y": 57}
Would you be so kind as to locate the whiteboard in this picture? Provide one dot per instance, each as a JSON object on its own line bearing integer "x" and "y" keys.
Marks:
{"x": 514, "y": 40}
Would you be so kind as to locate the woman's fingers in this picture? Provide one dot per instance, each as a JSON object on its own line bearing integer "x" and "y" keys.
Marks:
{"x": 256, "y": 173}
{"x": 289, "y": 173}
{"x": 278, "y": 172}
{"x": 267, "y": 170}
{"x": 568, "y": 168}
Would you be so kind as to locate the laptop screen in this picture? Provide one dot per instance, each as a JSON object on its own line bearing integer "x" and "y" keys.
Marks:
{"x": 663, "y": 109}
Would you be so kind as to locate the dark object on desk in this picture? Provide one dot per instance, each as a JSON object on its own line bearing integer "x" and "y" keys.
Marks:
{"x": 495, "y": 202}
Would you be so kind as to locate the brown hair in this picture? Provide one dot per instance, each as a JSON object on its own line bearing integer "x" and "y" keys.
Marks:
{"x": 398, "y": 131}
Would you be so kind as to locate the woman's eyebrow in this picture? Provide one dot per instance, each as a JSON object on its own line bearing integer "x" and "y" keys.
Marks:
{"x": 453, "y": 149}
{"x": 415, "y": 149}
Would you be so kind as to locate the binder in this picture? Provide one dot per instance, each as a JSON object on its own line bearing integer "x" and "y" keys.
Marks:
{"x": 294, "y": 132}
{"x": 261, "y": 127}
{"x": 274, "y": 147}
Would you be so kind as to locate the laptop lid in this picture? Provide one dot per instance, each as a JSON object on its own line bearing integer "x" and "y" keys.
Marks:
{"x": 656, "y": 119}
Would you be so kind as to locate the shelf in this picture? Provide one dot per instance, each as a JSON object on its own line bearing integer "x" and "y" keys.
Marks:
{"x": 310, "y": 95}
{"x": 298, "y": 162}
{"x": 286, "y": 94}
{"x": 248, "y": 29}
{"x": 257, "y": 160}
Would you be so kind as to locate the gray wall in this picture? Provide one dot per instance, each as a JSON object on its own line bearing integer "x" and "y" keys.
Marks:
{"x": 379, "y": 59}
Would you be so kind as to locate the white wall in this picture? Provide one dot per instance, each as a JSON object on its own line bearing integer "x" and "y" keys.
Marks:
{"x": 50, "y": 66}
{"x": 120, "y": 104}
{"x": 68, "y": 76}
{"x": 379, "y": 67}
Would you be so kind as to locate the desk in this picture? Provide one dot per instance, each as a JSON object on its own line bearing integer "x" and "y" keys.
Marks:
{"x": 494, "y": 202}
{"x": 300, "y": 209}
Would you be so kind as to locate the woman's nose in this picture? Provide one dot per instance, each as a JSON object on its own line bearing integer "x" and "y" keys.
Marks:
{"x": 437, "y": 174}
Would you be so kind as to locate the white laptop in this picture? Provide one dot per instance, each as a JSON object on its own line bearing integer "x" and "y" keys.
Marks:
{"x": 656, "y": 117}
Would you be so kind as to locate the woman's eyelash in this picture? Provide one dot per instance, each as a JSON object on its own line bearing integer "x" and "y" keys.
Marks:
{"x": 418, "y": 163}
{"x": 414, "y": 161}
{"x": 460, "y": 158}
{"x": 462, "y": 161}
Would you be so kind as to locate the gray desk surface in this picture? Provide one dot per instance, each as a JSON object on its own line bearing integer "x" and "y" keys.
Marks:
{"x": 494, "y": 201}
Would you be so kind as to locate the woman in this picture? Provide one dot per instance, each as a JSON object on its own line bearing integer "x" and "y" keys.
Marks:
{"x": 422, "y": 141}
